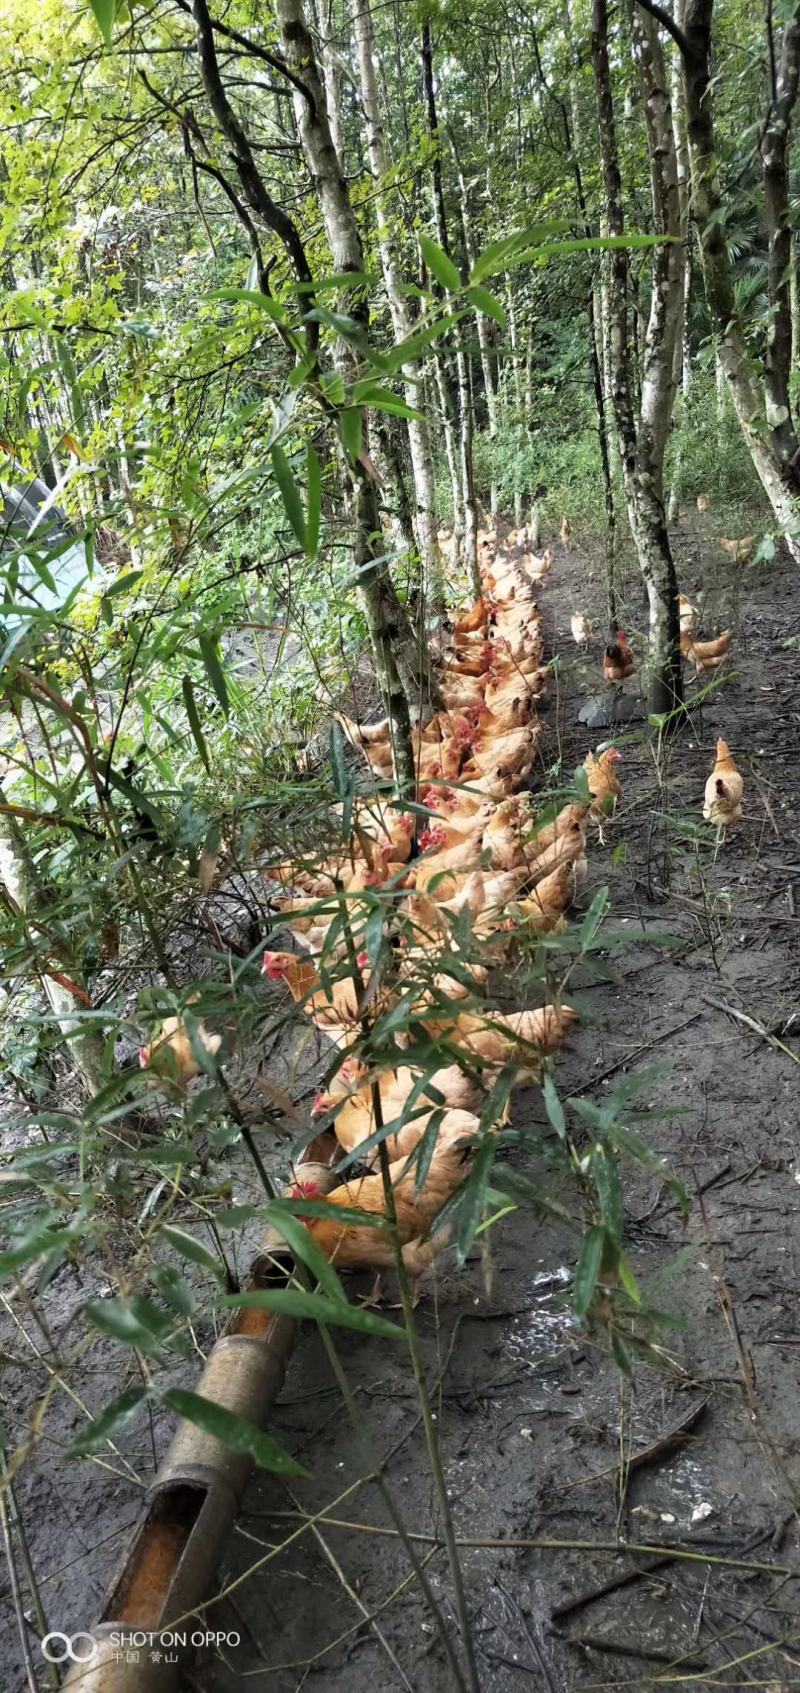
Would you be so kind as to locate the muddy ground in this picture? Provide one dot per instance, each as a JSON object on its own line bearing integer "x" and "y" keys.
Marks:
{"x": 533, "y": 1416}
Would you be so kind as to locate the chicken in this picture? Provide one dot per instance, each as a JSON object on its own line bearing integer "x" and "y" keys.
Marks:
{"x": 357, "y": 1247}
{"x": 473, "y": 619}
{"x": 703, "y": 502}
{"x": 570, "y": 817}
{"x": 740, "y": 550}
{"x": 513, "y": 750}
{"x": 706, "y": 655}
{"x": 604, "y": 784}
{"x": 618, "y": 660}
{"x": 350, "y": 1096}
{"x": 502, "y": 837}
{"x": 494, "y": 1038}
{"x": 687, "y": 614}
{"x": 565, "y": 531}
{"x": 544, "y": 906}
{"x": 581, "y": 629}
{"x": 171, "y": 1053}
{"x": 724, "y": 788}
{"x": 538, "y": 565}
{"x": 485, "y": 893}
{"x": 335, "y": 1009}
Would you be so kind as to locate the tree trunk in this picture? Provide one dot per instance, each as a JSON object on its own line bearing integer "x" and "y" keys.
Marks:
{"x": 84, "y": 1041}
{"x": 462, "y": 367}
{"x": 773, "y": 448}
{"x": 642, "y": 448}
{"x": 401, "y": 671}
{"x": 418, "y": 439}
{"x": 484, "y": 338}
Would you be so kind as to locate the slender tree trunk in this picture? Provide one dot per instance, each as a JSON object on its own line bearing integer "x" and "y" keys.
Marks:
{"x": 418, "y": 439}
{"x": 462, "y": 367}
{"x": 642, "y": 449}
{"x": 84, "y": 1041}
{"x": 484, "y": 338}
{"x": 773, "y": 448}
{"x": 401, "y": 670}
{"x": 326, "y": 29}
{"x": 794, "y": 297}
{"x": 683, "y": 370}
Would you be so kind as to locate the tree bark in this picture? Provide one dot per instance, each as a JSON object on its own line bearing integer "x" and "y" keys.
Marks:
{"x": 766, "y": 430}
{"x": 462, "y": 368}
{"x": 642, "y": 444}
{"x": 402, "y": 673}
{"x": 84, "y": 1041}
{"x": 418, "y": 438}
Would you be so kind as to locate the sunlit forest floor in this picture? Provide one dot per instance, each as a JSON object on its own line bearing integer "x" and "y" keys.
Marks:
{"x": 542, "y": 1439}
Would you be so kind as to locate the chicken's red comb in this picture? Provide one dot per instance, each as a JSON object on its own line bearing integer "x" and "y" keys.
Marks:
{"x": 144, "y": 1057}
{"x": 304, "y": 1190}
{"x": 362, "y": 960}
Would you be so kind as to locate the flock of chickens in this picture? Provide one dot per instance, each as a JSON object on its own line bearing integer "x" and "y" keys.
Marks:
{"x": 482, "y": 870}
{"x": 480, "y": 852}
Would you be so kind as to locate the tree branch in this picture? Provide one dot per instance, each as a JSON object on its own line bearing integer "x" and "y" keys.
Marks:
{"x": 667, "y": 22}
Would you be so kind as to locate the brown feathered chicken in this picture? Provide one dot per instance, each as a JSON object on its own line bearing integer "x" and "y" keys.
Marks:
{"x": 170, "y": 1053}
{"x": 350, "y": 1096}
{"x": 724, "y": 788}
{"x": 618, "y": 660}
{"x": 706, "y": 655}
{"x": 740, "y": 550}
{"x": 495, "y": 1038}
{"x": 358, "y": 1247}
{"x": 703, "y": 502}
{"x": 604, "y": 783}
{"x": 335, "y": 1009}
{"x": 473, "y": 619}
{"x": 544, "y": 906}
{"x": 687, "y": 614}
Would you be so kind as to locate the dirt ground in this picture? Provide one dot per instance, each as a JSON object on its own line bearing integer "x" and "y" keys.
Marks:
{"x": 533, "y": 1416}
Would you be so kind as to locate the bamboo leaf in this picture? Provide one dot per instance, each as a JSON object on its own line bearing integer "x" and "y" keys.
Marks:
{"x": 111, "y": 1421}
{"x": 194, "y": 719}
{"x": 488, "y": 304}
{"x": 290, "y": 495}
{"x": 209, "y": 650}
{"x": 193, "y": 1249}
{"x": 496, "y": 256}
{"x": 351, "y": 429}
{"x": 304, "y": 1247}
{"x": 104, "y": 13}
{"x": 588, "y": 1269}
{"x": 553, "y": 1107}
{"x": 252, "y": 297}
{"x": 314, "y": 478}
{"x": 316, "y": 1308}
{"x": 237, "y": 1433}
{"x": 134, "y": 1321}
{"x": 440, "y": 265}
{"x": 474, "y": 1197}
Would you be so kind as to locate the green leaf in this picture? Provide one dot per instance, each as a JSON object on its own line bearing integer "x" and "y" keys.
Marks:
{"x": 134, "y": 1321}
{"x": 621, "y": 1354}
{"x": 252, "y": 297}
{"x": 382, "y": 399}
{"x": 351, "y": 429}
{"x": 209, "y": 650}
{"x": 193, "y": 1249}
{"x": 342, "y": 779}
{"x": 473, "y": 1197}
{"x": 588, "y": 1269}
{"x": 316, "y": 1308}
{"x": 440, "y": 265}
{"x": 486, "y": 303}
{"x": 38, "y": 1244}
{"x": 314, "y": 477}
{"x": 593, "y": 918}
{"x": 408, "y": 351}
{"x": 304, "y": 1247}
{"x": 111, "y": 1421}
{"x": 235, "y": 1432}
{"x": 496, "y": 256}
{"x": 290, "y": 495}
{"x": 194, "y": 719}
{"x": 553, "y": 1107}
{"x": 605, "y": 1175}
{"x": 122, "y": 583}
{"x": 104, "y": 13}
{"x": 374, "y": 934}
{"x": 628, "y": 1279}
{"x": 174, "y": 1290}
